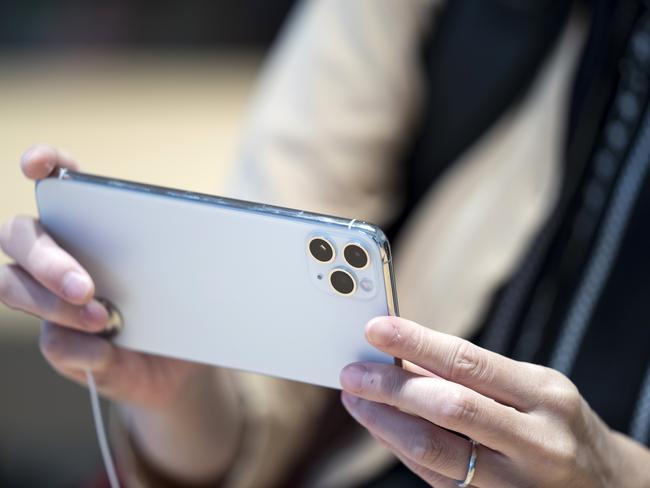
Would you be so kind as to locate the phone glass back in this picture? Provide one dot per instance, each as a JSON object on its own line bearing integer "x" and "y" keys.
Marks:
{"x": 222, "y": 281}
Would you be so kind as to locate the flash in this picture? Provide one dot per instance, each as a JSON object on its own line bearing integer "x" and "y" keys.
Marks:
{"x": 366, "y": 284}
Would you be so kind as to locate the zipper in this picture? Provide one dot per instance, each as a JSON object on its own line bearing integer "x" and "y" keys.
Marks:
{"x": 600, "y": 264}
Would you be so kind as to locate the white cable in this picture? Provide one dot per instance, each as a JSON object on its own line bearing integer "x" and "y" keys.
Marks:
{"x": 101, "y": 431}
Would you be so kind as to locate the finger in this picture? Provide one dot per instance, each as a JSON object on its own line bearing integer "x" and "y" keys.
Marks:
{"x": 424, "y": 443}
{"x": 72, "y": 353}
{"x": 507, "y": 381}
{"x": 23, "y": 239}
{"x": 428, "y": 475}
{"x": 434, "y": 479}
{"x": 20, "y": 291}
{"x": 39, "y": 161}
{"x": 128, "y": 376}
{"x": 77, "y": 376}
{"x": 73, "y": 350}
{"x": 439, "y": 401}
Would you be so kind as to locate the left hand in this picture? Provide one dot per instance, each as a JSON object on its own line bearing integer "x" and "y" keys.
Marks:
{"x": 533, "y": 426}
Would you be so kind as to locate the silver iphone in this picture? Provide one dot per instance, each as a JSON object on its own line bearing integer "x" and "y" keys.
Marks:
{"x": 225, "y": 282}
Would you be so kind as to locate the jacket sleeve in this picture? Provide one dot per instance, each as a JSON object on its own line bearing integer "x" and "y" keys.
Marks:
{"x": 335, "y": 103}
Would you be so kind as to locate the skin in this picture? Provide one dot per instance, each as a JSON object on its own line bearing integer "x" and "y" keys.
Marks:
{"x": 533, "y": 426}
{"x": 160, "y": 397}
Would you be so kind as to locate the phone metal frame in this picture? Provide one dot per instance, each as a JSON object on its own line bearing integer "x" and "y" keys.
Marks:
{"x": 371, "y": 230}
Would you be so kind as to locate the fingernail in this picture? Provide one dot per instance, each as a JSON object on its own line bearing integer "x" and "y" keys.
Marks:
{"x": 381, "y": 332}
{"x": 94, "y": 314}
{"x": 352, "y": 377}
{"x": 76, "y": 286}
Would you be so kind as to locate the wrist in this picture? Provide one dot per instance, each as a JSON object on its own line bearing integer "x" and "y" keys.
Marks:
{"x": 630, "y": 461}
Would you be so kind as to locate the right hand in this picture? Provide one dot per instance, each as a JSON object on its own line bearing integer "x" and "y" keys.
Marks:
{"x": 47, "y": 282}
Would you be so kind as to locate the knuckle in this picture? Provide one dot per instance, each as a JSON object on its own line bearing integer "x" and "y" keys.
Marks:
{"x": 459, "y": 409}
{"x": 427, "y": 451}
{"x": 559, "y": 394}
{"x": 467, "y": 363}
{"x": 568, "y": 401}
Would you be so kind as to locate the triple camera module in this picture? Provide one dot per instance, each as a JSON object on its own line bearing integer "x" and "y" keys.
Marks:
{"x": 354, "y": 255}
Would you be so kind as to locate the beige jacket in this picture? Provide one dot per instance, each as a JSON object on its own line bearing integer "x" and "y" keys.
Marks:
{"x": 340, "y": 95}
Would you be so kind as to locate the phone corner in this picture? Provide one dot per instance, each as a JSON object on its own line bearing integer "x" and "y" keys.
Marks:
{"x": 375, "y": 233}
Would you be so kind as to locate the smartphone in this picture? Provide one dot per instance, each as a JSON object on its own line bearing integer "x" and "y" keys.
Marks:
{"x": 225, "y": 282}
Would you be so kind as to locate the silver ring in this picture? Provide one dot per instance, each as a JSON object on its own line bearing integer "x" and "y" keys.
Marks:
{"x": 471, "y": 466}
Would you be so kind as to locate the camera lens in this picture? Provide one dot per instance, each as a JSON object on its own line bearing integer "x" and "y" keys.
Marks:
{"x": 321, "y": 250}
{"x": 356, "y": 256}
{"x": 342, "y": 282}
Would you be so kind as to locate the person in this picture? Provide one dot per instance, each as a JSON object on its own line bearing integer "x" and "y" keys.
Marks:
{"x": 513, "y": 182}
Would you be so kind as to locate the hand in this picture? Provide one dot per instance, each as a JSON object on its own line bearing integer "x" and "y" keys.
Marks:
{"x": 533, "y": 426}
{"x": 170, "y": 404}
{"x": 47, "y": 282}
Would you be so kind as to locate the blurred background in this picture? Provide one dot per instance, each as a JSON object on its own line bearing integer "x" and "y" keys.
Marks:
{"x": 143, "y": 90}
